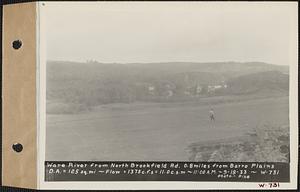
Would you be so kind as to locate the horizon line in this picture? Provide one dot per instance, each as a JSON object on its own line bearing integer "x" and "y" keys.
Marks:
{"x": 125, "y": 63}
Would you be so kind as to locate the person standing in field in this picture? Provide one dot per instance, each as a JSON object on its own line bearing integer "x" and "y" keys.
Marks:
{"x": 212, "y": 115}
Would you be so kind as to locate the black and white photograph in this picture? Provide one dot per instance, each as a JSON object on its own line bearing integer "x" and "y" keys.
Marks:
{"x": 169, "y": 82}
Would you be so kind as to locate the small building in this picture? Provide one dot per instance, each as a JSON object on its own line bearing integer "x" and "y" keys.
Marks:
{"x": 198, "y": 89}
{"x": 151, "y": 88}
{"x": 213, "y": 88}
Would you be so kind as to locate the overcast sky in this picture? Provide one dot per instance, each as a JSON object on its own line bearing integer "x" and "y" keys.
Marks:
{"x": 162, "y": 32}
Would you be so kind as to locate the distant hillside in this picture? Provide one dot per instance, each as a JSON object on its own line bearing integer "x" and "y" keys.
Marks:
{"x": 272, "y": 81}
{"x": 216, "y": 67}
{"x": 95, "y": 83}
{"x": 150, "y": 69}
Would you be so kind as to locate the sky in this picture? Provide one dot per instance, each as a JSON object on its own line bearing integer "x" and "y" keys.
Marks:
{"x": 126, "y": 32}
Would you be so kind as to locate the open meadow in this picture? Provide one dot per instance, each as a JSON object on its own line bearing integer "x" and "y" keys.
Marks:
{"x": 156, "y": 131}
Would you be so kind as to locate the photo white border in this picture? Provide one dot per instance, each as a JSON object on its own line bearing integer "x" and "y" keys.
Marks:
{"x": 159, "y": 185}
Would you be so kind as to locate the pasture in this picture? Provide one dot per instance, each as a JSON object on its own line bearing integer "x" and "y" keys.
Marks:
{"x": 154, "y": 131}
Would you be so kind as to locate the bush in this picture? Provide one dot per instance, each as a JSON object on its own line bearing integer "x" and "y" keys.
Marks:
{"x": 267, "y": 143}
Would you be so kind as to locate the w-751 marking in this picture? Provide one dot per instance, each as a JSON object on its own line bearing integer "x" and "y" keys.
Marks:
{"x": 269, "y": 185}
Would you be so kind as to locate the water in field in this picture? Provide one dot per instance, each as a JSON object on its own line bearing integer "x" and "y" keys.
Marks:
{"x": 153, "y": 132}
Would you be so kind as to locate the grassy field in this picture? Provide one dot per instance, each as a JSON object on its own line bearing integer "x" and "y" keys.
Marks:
{"x": 155, "y": 132}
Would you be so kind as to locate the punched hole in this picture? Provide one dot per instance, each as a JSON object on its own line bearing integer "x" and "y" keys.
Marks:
{"x": 17, "y": 147}
{"x": 17, "y": 44}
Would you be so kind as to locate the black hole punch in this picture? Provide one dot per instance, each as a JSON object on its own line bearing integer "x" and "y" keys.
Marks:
{"x": 17, "y": 147}
{"x": 17, "y": 44}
